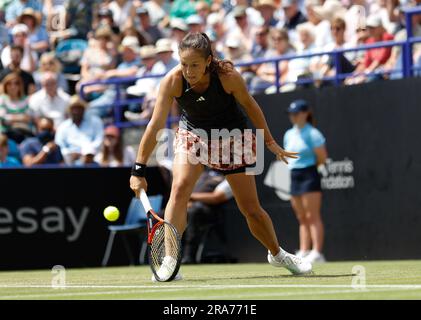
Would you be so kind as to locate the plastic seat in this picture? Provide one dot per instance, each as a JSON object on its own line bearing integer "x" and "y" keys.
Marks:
{"x": 135, "y": 222}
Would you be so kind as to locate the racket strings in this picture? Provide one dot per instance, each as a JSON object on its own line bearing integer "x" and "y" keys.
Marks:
{"x": 165, "y": 251}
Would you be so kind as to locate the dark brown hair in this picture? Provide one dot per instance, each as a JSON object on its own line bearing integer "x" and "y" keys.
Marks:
{"x": 118, "y": 152}
{"x": 201, "y": 43}
{"x": 310, "y": 118}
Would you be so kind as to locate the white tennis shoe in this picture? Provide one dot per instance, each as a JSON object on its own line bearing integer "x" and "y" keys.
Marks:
{"x": 167, "y": 267}
{"x": 293, "y": 263}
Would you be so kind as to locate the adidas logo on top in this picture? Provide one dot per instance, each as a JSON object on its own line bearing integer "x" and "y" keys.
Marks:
{"x": 200, "y": 99}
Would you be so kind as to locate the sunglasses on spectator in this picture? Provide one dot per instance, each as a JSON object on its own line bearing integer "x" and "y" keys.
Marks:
{"x": 337, "y": 28}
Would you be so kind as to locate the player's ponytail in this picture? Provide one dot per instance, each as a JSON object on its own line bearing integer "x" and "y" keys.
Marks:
{"x": 202, "y": 43}
{"x": 310, "y": 118}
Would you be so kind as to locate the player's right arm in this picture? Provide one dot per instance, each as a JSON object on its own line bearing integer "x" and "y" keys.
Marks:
{"x": 168, "y": 88}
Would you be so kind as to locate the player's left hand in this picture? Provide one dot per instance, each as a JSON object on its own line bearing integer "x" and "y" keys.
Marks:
{"x": 280, "y": 153}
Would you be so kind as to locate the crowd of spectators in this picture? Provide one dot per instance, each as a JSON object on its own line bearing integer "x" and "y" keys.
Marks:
{"x": 133, "y": 38}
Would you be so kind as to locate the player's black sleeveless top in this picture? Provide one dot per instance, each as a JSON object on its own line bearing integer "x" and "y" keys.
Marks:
{"x": 212, "y": 109}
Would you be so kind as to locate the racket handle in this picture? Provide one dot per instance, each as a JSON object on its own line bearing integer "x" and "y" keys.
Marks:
{"x": 145, "y": 201}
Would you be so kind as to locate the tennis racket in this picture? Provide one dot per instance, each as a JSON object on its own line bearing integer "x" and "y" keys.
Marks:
{"x": 164, "y": 244}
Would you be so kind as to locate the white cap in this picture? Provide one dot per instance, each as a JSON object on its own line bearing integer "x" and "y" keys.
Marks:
{"x": 20, "y": 28}
{"x": 194, "y": 19}
{"x": 164, "y": 45}
{"x": 374, "y": 21}
{"x": 214, "y": 18}
{"x": 88, "y": 149}
{"x": 178, "y": 23}
{"x": 233, "y": 42}
{"x": 131, "y": 42}
{"x": 148, "y": 51}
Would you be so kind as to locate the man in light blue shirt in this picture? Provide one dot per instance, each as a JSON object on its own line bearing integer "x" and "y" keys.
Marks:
{"x": 79, "y": 132}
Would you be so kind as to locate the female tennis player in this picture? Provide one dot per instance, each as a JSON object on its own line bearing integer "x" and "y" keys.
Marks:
{"x": 207, "y": 91}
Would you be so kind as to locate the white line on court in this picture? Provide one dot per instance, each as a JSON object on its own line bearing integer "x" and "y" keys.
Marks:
{"x": 215, "y": 286}
{"x": 59, "y": 294}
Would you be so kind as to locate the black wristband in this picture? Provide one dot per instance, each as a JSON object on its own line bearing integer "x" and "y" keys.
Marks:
{"x": 139, "y": 169}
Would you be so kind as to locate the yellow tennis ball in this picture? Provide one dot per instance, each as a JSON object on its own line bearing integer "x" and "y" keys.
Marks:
{"x": 111, "y": 213}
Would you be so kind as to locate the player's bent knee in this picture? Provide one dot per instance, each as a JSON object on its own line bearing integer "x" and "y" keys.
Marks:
{"x": 253, "y": 213}
{"x": 179, "y": 192}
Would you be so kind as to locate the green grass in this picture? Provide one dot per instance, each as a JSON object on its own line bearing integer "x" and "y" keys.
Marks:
{"x": 334, "y": 280}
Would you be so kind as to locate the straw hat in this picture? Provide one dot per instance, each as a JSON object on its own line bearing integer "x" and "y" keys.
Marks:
{"x": 29, "y": 12}
{"x": 148, "y": 51}
{"x": 164, "y": 45}
{"x": 130, "y": 42}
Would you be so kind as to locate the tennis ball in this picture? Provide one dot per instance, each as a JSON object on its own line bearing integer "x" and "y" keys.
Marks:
{"x": 111, "y": 213}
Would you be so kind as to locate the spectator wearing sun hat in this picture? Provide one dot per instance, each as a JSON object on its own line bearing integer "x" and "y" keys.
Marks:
{"x": 267, "y": 10}
{"x": 165, "y": 51}
{"x": 129, "y": 50}
{"x": 150, "y": 66}
{"x": 16, "y": 7}
{"x": 37, "y": 34}
{"x": 319, "y": 23}
{"x": 179, "y": 29}
{"x": 113, "y": 153}
{"x": 79, "y": 132}
{"x": 195, "y": 23}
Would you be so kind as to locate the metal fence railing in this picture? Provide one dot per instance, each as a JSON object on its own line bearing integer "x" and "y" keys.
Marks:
{"x": 407, "y": 70}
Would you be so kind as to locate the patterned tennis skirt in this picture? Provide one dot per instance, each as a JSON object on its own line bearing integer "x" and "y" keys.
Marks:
{"x": 232, "y": 154}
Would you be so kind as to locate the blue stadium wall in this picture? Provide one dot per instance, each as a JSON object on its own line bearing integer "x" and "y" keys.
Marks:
{"x": 371, "y": 203}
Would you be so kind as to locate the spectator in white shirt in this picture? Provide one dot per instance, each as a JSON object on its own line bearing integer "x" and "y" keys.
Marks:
{"x": 320, "y": 25}
{"x": 20, "y": 34}
{"x": 50, "y": 101}
{"x": 78, "y": 133}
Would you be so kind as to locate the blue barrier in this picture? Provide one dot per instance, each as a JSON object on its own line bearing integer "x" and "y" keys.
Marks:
{"x": 407, "y": 70}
